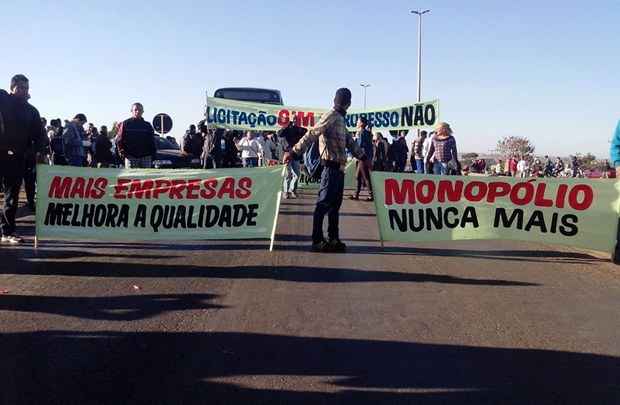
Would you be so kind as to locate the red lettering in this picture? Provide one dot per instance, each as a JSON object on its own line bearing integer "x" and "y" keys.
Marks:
{"x": 396, "y": 194}
{"x": 527, "y": 198}
{"x": 89, "y": 187}
{"x": 162, "y": 186}
{"x": 450, "y": 189}
{"x": 120, "y": 188}
{"x": 587, "y": 197}
{"x": 283, "y": 118}
{"x": 469, "y": 191}
{"x": 141, "y": 189}
{"x": 78, "y": 188}
{"x": 228, "y": 187}
{"x": 192, "y": 189}
{"x": 209, "y": 191}
{"x": 178, "y": 185}
{"x": 425, "y": 191}
{"x": 244, "y": 191}
{"x": 59, "y": 188}
{"x": 497, "y": 189}
{"x": 305, "y": 120}
{"x": 99, "y": 188}
{"x": 539, "y": 198}
{"x": 561, "y": 195}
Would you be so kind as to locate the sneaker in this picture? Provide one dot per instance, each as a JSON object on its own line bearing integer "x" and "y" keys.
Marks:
{"x": 11, "y": 239}
{"x": 336, "y": 245}
{"x": 321, "y": 247}
{"x": 293, "y": 195}
{"x": 370, "y": 198}
{"x": 287, "y": 196}
{"x": 354, "y": 197}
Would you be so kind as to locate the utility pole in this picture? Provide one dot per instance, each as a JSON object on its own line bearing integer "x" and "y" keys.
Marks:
{"x": 365, "y": 86}
{"x": 420, "y": 14}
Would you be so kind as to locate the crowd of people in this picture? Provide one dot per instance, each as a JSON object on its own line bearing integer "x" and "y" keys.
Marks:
{"x": 26, "y": 139}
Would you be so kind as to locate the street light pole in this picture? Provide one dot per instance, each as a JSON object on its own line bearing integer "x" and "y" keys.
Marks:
{"x": 420, "y": 14}
{"x": 365, "y": 86}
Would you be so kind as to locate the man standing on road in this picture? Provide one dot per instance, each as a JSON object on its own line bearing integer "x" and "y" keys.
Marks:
{"x": 73, "y": 138}
{"x": 333, "y": 138}
{"x": 292, "y": 133}
{"x": 193, "y": 142}
{"x": 364, "y": 137}
{"x": 20, "y": 129}
{"x": 136, "y": 140}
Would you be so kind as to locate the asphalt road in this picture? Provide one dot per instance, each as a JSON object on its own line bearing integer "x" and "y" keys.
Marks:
{"x": 228, "y": 322}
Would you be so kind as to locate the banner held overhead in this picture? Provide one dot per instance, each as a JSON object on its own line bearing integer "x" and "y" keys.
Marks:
{"x": 246, "y": 116}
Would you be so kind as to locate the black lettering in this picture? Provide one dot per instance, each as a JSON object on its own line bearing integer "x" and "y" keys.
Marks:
{"x": 252, "y": 214}
{"x": 537, "y": 219}
{"x": 419, "y": 115}
{"x": 469, "y": 216}
{"x": 436, "y": 220}
{"x": 179, "y": 218}
{"x": 401, "y": 221}
{"x": 500, "y": 215}
{"x": 569, "y": 227}
{"x": 213, "y": 213}
{"x": 190, "y": 218}
{"x": 140, "y": 219}
{"x": 225, "y": 216}
{"x": 446, "y": 219}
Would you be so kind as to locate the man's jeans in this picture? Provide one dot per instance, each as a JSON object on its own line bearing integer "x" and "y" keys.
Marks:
{"x": 11, "y": 174}
{"x": 419, "y": 163}
{"x": 329, "y": 202}
{"x": 250, "y": 162}
{"x": 291, "y": 176}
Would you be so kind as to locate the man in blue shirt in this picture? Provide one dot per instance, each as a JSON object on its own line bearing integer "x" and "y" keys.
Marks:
{"x": 615, "y": 150}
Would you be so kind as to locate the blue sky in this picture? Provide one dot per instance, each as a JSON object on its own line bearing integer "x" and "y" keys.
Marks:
{"x": 547, "y": 70}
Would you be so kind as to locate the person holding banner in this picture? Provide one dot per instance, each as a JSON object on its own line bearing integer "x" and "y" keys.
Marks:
{"x": 333, "y": 140}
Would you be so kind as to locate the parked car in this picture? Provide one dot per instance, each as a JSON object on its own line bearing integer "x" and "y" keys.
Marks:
{"x": 169, "y": 156}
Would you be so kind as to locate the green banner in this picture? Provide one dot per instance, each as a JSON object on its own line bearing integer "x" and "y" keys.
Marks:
{"x": 152, "y": 204}
{"x": 241, "y": 115}
{"x": 418, "y": 208}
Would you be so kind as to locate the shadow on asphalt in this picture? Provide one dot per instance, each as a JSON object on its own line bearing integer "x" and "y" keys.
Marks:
{"x": 342, "y": 214}
{"x": 283, "y": 244}
{"x": 117, "y": 308}
{"x": 69, "y": 367}
{"x": 289, "y": 273}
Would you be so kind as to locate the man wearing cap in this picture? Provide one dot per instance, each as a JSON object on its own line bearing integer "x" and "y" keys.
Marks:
{"x": 20, "y": 129}
{"x": 334, "y": 139}
{"x": 73, "y": 138}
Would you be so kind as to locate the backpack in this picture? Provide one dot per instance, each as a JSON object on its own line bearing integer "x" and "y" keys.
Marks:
{"x": 312, "y": 161}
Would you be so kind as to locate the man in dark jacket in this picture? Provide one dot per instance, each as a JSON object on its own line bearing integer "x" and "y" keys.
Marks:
{"x": 192, "y": 142}
{"x": 400, "y": 152}
{"x": 136, "y": 140}
{"x": 292, "y": 133}
{"x": 20, "y": 129}
{"x": 363, "y": 167}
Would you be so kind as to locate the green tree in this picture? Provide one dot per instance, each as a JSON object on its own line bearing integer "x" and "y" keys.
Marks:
{"x": 515, "y": 145}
